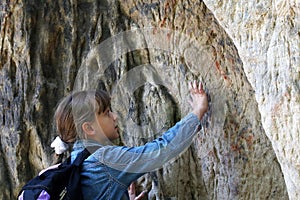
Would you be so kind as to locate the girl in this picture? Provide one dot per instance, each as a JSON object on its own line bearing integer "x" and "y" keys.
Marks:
{"x": 85, "y": 119}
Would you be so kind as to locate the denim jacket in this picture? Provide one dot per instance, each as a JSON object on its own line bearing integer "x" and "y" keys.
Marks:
{"x": 108, "y": 172}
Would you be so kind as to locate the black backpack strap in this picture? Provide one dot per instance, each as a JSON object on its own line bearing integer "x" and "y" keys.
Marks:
{"x": 84, "y": 155}
{"x": 75, "y": 175}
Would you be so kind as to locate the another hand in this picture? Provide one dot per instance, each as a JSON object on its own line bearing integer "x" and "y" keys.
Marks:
{"x": 132, "y": 193}
{"x": 199, "y": 102}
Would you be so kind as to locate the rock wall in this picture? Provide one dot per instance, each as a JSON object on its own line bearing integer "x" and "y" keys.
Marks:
{"x": 266, "y": 34}
{"x": 144, "y": 53}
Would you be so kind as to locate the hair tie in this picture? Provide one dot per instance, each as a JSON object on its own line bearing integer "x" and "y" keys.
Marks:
{"x": 59, "y": 145}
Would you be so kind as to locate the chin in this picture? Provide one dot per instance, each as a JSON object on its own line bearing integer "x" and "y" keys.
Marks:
{"x": 115, "y": 136}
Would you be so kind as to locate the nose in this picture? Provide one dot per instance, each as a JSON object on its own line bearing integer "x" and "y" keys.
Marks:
{"x": 115, "y": 116}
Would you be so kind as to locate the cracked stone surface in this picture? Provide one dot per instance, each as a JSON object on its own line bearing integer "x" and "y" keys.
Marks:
{"x": 144, "y": 53}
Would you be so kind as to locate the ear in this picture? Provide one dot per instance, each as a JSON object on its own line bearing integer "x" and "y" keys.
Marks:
{"x": 88, "y": 128}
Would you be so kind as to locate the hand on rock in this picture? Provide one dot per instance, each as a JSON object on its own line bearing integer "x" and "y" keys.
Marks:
{"x": 132, "y": 193}
{"x": 198, "y": 102}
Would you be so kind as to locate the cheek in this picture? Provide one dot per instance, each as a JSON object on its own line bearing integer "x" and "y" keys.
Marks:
{"x": 107, "y": 124}
{"x": 102, "y": 126}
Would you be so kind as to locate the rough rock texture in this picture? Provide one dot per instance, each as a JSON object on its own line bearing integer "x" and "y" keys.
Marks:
{"x": 266, "y": 34}
{"x": 144, "y": 53}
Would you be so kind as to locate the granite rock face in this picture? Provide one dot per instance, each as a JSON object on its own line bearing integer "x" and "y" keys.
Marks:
{"x": 266, "y": 34}
{"x": 144, "y": 53}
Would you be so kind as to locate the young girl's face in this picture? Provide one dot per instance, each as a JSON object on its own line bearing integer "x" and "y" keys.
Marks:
{"x": 106, "y": 124}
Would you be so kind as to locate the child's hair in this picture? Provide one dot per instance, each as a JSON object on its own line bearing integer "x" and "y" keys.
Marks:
{"x": 77, "y": 108}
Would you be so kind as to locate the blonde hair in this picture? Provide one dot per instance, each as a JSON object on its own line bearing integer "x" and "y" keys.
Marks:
{"x": 77, "y": 108}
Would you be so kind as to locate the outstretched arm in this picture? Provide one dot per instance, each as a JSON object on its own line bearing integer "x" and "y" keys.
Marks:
{"x": 154, "y": 154}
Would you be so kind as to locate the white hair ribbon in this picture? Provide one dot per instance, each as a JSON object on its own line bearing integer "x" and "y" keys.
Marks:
{"x": 59, "y": 145}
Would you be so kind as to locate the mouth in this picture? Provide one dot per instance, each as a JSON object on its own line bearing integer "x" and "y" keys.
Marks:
{"x": 117, "y": 129}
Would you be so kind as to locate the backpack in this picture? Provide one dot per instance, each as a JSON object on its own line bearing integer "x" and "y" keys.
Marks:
{"x": 61, "y": 183}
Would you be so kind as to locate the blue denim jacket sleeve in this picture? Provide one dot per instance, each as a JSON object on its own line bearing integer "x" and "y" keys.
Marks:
{"x": 153, "y": 154}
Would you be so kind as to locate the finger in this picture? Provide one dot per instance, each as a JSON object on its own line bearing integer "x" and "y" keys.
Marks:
{"x": 140, "y": 196}
{"x": 131, "y": 189}
{"x": 195, "y": 85}
{"x": 190, "y": 86}
{"x": 201, "y": 90}
{"x": 200, "y": 86}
